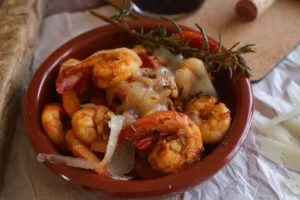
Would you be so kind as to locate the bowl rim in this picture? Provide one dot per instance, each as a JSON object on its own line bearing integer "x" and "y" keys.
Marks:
{"x": 167, "y": 185}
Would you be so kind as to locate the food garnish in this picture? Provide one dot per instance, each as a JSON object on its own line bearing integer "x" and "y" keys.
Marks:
{"x": 184, "y": 43}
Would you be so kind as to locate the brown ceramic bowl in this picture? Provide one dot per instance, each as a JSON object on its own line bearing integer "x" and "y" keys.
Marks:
{"x": 236, "y": 94}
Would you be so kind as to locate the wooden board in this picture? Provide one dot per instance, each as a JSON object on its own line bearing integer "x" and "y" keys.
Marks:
{"x": 275, "y": 33}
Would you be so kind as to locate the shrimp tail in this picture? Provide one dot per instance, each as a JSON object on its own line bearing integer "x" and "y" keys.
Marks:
{"x": 179, "y": 139}
{"x": 158, "y": 122}
{"x": 71, "y": 102}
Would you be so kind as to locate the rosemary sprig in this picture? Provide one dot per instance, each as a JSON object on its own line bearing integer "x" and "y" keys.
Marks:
{"x": 124, "y": 13}
{"x": 231, "y": 60}
{"x": 215, "y": 60}
{"x": 149, "y": 37}
{"x": 205, "y": 41}
{"x": 178, "y": 28}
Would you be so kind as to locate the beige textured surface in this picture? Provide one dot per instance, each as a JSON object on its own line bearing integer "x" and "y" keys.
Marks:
{"x": 56, "y": 6}
{"x": 275, "y": 32}
{"x": 19, "y": 22}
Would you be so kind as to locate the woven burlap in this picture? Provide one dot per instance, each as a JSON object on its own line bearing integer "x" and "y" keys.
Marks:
{"x": 19, "y": 21}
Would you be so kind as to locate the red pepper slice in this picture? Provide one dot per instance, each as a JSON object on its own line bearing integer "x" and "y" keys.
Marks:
{"x": 148, "y": 61}
{"x": 196, "y": 40}
{"x": 74, "y": 78}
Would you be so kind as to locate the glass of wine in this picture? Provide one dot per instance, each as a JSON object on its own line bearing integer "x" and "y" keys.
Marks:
{"x": 173, "y": 9}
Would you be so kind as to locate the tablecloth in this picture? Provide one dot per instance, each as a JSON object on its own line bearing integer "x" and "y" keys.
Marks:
{"x": 248, "y": 176}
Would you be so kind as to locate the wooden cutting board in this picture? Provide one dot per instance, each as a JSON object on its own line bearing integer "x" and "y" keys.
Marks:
{"x": 275, "y": 33}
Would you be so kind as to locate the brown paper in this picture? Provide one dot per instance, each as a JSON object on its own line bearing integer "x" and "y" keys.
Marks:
{"x": 275, "y": 33}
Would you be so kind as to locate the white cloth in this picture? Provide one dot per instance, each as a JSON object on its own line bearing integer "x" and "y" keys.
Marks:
{"x": 248, "y": 176}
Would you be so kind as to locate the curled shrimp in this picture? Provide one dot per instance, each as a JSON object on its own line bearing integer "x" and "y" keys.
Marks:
{"x": 70, "y": 102}
{"x": 113, "y": 66}
{"x": 82, "y": 151}
{"x": 180, "y": 144}
{"x": 88, "y": 123}
{"x": 108, "y": 68}
{"x": 192, "y": 78}
{"x": 70, "y": 99}
{"x": 51, "y": 121}
{"x": 212, "y": 117}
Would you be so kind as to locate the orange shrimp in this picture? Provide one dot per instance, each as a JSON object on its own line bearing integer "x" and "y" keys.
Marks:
{"x": 107, "y": 67}
{"x": 51, "y": 121}
{"x": 212, "y": 117}
{"x": 70, "y": 102}
{"x": 82, "y": 151}
{"x": 70, "y": 99}
{"x": 88, "y": 123}
{"x": 180, "y": 141}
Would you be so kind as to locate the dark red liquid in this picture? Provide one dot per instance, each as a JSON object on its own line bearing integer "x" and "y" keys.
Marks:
{"x": 169, "y": 7}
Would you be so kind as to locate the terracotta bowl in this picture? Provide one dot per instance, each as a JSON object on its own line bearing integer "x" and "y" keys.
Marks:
{"x": 236, "y": 94}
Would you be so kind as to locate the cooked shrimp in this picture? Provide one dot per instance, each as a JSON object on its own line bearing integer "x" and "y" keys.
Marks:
{"x": 181, "y": 144}
{"x": 193, "y": 78}
{"x": 192, "y": 64}
{"x": 82, "y": 151}
{"x": 51, "y": 121}
{"x": 70, "y": 102}
{"x": 111, "y": 67}
{"x": 108, "y": 67}
{"x": 196, "y": 66}
{"x": 213, "y": 118}
{"x": 88, "y": 123}
{"x": 70, "y": 99}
